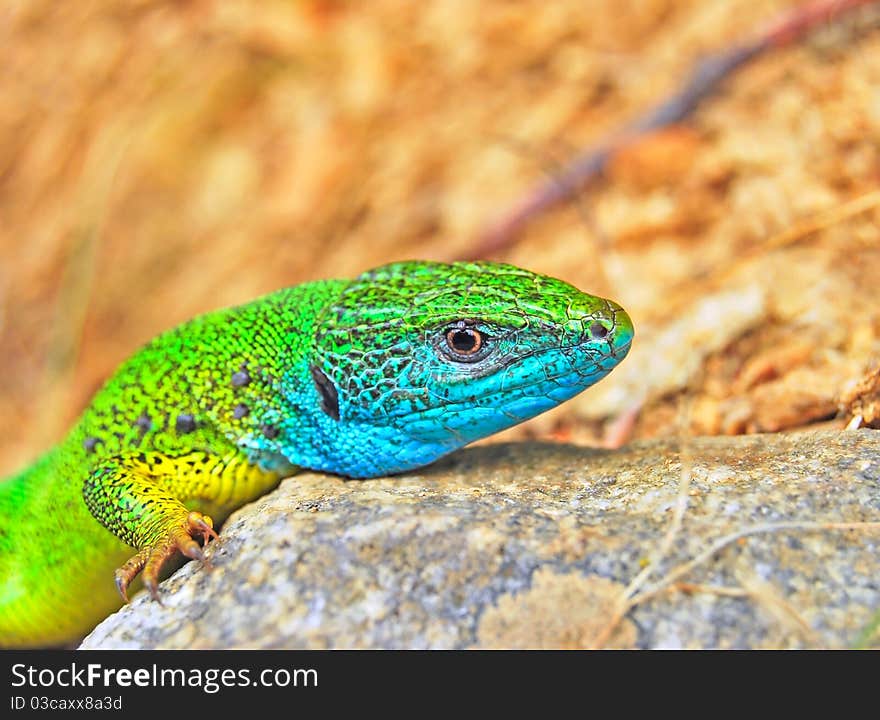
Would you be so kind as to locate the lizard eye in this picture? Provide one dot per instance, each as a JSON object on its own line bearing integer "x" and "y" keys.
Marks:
{"x": 463, "y": 343}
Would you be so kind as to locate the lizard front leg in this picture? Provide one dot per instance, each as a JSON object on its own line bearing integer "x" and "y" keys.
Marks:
{"x": 154, "y": 502}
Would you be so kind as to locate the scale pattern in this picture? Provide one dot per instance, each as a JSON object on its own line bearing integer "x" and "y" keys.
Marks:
{"x": 356, "y": 378}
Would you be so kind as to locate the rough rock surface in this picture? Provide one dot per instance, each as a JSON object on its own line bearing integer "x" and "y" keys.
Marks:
{"x": 531, "y": 545}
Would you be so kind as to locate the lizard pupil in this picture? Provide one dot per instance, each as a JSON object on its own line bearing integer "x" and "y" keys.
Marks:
{"x": 465, "y": 341}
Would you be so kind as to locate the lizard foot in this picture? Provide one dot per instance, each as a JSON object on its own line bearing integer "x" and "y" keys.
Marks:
{"x": 152, "y": 558}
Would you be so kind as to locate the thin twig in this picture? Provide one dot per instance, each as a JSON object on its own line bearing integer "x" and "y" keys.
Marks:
{"x": 628, "y": 599}
{"x": 681, "y": 503}
{"x": 758, "y": 594}
{"x": 824, "y": 220}
{"x": 695, "y": 588}
{"x": 766, "y": 596}
{"x": 704, "y": 80}
{"x": 800, "y": 232}
{"x": 678, "y": 572}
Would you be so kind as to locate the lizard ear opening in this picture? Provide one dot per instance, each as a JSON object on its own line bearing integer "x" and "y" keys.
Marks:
{"x": 327, "y": 391}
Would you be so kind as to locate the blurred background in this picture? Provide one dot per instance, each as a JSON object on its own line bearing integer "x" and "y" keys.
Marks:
{"x": 161, "y": 159}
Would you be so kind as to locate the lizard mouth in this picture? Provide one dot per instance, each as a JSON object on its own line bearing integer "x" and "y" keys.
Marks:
{"x": 578, "y": 376}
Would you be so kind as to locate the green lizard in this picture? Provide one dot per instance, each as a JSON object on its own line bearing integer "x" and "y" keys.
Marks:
{"x": 361, "y": 378}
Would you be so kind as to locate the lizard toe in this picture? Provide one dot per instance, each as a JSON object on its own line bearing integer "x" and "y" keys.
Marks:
{"x": 150, "y": 560}
{"x": 129, "y": 571}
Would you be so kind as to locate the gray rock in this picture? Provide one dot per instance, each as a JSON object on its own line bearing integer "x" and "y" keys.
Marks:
{"x": 532, "y": 545}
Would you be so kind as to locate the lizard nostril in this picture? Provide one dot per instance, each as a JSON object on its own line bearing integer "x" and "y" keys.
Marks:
{"x": 598, "y": 331}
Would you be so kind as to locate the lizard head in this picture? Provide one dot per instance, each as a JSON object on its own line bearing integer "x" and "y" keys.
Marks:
{"x": 416, "y": 359}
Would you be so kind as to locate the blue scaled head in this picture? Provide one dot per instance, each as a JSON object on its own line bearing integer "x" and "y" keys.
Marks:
{"x": 416, "y": 359}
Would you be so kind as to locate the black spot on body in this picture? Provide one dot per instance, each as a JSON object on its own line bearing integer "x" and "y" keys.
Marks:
{"x": 144, "y": 423}
{"x": 328, "y": 392}
{"x": 240, "y": 411}
{"x": 270, "y": 431}
{"x": 185, "y": 423}
{"x": 240, "y": 378}
{"x": 90, "y": 443}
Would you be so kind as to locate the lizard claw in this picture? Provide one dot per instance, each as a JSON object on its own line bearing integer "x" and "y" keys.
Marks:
{"x": 151, "y": 559}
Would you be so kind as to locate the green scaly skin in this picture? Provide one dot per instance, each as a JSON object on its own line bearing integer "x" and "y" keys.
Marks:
{"x": 362, "y": 378}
